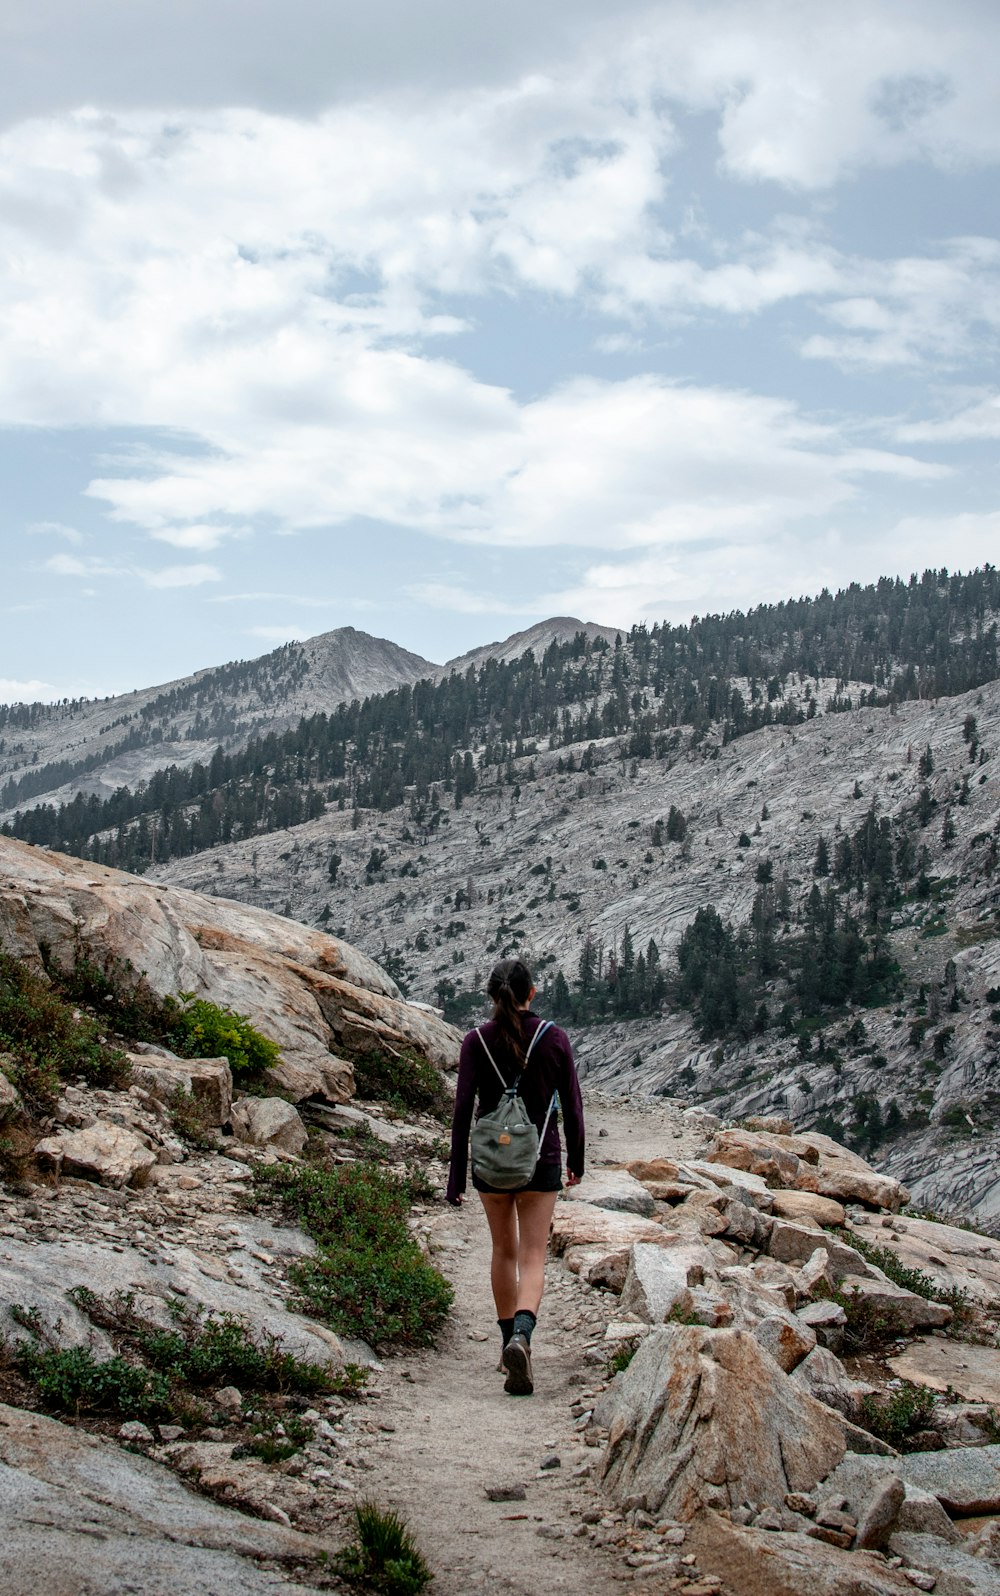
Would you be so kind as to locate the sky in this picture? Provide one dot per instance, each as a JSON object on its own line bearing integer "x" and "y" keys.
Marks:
{"x": 438, "y": 320}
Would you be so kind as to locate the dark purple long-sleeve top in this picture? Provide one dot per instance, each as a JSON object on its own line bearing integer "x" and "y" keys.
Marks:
{"x": 550, "y": 1069}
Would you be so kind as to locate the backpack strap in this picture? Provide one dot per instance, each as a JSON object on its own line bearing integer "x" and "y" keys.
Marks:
{"x": 492, "y": 1060}
{"x": 546, "y": 1025}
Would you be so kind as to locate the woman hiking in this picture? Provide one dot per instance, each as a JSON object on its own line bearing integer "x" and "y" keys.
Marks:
{"x": 516, "y": 1047}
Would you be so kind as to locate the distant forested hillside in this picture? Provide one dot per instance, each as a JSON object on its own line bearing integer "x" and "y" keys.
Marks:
{"x": 720, "y": 676}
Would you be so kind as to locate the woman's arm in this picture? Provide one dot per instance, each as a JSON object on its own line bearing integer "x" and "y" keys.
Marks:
{"x": 572, "y": 1107}
{"x": 461, "y": 1122}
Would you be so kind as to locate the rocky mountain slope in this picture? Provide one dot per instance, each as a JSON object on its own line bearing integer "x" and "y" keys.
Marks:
{"x": 538, "y": 865}
{"x": 49, "y": 752}
{"x": 755, "y": 1374}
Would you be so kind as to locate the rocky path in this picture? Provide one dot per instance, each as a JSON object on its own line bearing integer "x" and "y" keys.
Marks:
{"x": 451, "y": 1432}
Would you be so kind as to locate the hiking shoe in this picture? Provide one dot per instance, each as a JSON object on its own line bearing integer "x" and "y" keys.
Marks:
{"x": 517, "y": 1362}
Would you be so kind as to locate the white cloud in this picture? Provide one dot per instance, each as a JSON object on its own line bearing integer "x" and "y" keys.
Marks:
{"x": 462, "y": 601}
{"x": 280, "y": 308}
{"x": 662, "y": 582}
{"x": 27, "y": 692}
{"x": 74, "y": 565}
{"x": 201, "y": 538}
{"x": 980, "y": 420}
{"x": 279, "y": 634}
{"x": 54, "y": 529}
{"x": 182, "y": 576}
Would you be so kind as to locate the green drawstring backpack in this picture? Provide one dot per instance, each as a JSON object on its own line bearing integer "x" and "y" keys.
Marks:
{"x": 505, "y": 1143}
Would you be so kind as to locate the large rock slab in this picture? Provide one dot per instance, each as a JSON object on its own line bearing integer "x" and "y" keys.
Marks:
{"x": 705, "y": 1418}
{"x": 311, "y": 993}
{"x": 965, "y": 1481}
{"x": 80, "y": 1515}
{"x": 797, "y": 1205}
{"x": 596, "y": 1243}
{"x": 210, "y": 1080}
{"x": 39, "y": 1276}
{"x": 955, "y": 1572}
{"x": 616, "y": 1190}
{"x": 959, "y": 1260}
{"x": 758, "y": 1153}
{"x": 862, "y": 1186}
{"x": 764, "y": 1564}
{"x": 971, "y": 1371}
{"x": 268, "y": 1122}
{"x": 105, "y": 1152}
{"x": 658, "y": 1277}
{"x": 909, "y": 1311}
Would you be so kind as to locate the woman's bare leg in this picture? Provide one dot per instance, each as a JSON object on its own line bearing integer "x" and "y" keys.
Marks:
{"x": 501, "y": 1216}
{"x": 534, "y": 1220}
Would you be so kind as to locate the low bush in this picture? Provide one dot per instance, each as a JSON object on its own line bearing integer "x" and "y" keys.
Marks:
{"x": 915, "y": 1280}
{"x": 72, "y": 1380}
{"x": 199, "y": 1029}
{"x": 158, "y": 1373}
{"x": 48, "y": 1040}
{"x": 869, "y": 1325}
{"x": 188, "y": 1025}
{"x": 204, "y": 1349}
{"x": 192, "y": 1119}
{"x": 369, "y": 1278}
{"x": 385, "y": 1557}
{"x": 898, "y": 1416}
{"x": 405, "y": 1080}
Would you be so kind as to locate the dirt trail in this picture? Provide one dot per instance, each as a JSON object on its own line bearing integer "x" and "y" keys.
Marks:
{"x": 454, "y": 1431}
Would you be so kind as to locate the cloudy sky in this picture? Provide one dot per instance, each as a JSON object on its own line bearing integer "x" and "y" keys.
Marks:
{"x": 437, "y": 319}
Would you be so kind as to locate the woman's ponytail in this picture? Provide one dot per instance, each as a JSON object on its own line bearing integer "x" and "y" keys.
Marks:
{"x": 510, "y": 986}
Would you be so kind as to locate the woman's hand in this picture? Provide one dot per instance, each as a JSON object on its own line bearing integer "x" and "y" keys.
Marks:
{"x": 571, "y": 1179}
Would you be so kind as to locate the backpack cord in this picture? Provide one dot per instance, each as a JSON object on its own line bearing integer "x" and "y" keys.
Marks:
{"x": 546, "y": 1025}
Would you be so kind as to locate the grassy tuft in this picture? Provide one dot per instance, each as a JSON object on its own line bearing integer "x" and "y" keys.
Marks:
{"x": 896, "y": 1417}
{"x": 370, "y": 1278}
{"x": 404, "y": 1080}
{"x": 49, "y": 1040}
{"x": 385, "y": 1557}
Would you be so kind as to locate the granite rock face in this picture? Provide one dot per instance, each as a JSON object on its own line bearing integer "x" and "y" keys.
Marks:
{"x": 311, "y": 993}
{"x": 109, "y": 1153}
{"x": 706, "y": 1418}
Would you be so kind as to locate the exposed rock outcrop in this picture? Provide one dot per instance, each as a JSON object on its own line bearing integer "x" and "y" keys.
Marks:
{"x": 311, "y": 993}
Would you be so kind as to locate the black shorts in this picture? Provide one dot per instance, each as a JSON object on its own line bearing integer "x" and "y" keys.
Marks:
{"x": 547, "y": 1177}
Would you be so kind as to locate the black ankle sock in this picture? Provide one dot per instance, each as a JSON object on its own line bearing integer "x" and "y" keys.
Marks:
{"x": 524, "y": 1323}
{"x": 506, "y": 1329}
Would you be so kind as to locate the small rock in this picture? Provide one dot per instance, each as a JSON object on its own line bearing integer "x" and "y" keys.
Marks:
{"x": 833, "y": 1537}
{"x": 229, "y": 1399}
{"x": 768, "y": 1520}
{"x": 550, "y": 1532}
{"x": 170, "y": 1432}
{"x": 602, "y": 1131}
{"x": 552, "y": 1460}
{"x": 515, "y": 1493}
{"x": 134, "y": 1431}
{"x": 918, "y": 1577}
{"x": 880, "y": 1514}
{"x": 277, "y": 1515}
{"x": 799, "y": 1502}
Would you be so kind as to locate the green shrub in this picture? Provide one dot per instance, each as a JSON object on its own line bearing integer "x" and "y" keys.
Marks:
{"x": 370, "y": 1278}
{"x": 869, "y": 1326}
{"x": 190, "y": 1026}
{"x": 895, "y": 1417}
{"x": 406, "y": 1080}
{"x": 915, "y": 1280}
{"x": 204, "y": 1349}
{"x": 384, "y": 1558}
{"x": 622, "y": 1356}
{"x": 200, "y": 1029}
{"x": 71, "y": 1380}
{"x": 49, "y": 1040}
